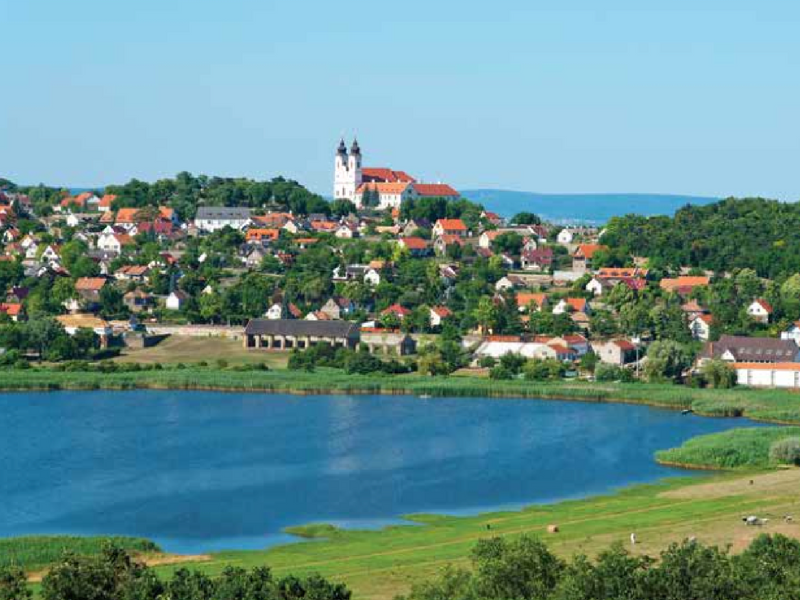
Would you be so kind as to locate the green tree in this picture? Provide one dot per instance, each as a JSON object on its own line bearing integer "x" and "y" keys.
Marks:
{"x": 667, "y": 360}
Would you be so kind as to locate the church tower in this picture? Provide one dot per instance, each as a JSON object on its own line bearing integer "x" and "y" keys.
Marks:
{"x": 347, "y": 171}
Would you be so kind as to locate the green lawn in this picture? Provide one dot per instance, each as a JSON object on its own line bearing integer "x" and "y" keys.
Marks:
{"x": 380, "y": 564}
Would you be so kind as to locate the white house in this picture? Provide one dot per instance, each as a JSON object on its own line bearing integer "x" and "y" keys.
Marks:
{"x": 565, "y": 236}
{"x": 700, "y": 327}
{"x": 275, "y": 312}
{"x": 438, "y": 314}
{"x": 112, "y": 242}
{"x": 760, "y": 310}
{"x": 213, "y": 218}
{"x": 792, "y": 332}
{"x": 176, "y": 300}
{"x": 372, "y": 277}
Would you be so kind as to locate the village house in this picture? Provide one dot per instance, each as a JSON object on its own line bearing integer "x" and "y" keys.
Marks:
{"x": 565, "y": 236}
{"x": 509, "y": 282}
{"x": 538, "y": 259}
{"x": 138, "y": 300}
{"x": 73, "y": 323}
{"x": 396, "y": 310}
{"x": 388, "y": 342}
{"x": 443, "y": 242}
{"x": 700, "y": 327}
{"x": 742, "y": 349}
{"x": 684, "y": 284}
{"x": 11, "y": 310}
{"x": 136, "y": 273}
{"x": 261, "y": 235}
{"x": 528, "y": 300}
{"x": 760, "y": 310}
{"x": 792, "y": 332}
{"x": 114, "y": 242}
{"x": 438, "y": 314}
{"x": 416, "y": 246}
{"x": 564, "y": 305}
{"x": 615, "y": 352}
{"x": 338, "y": 307}
{"x": 454, "y": 227}
{"x": 176, "y": 300}
{"x": 582, "y": 257}
{"x": 214, "y": 218}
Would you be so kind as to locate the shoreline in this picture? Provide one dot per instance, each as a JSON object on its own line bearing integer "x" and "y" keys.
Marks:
{"x": 778, "y": 407}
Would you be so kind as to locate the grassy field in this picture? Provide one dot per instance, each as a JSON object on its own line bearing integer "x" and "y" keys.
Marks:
{"x": 190, "y": 350}
{"x": 36, "y": 552}
{"x": 779, "y": 406}
{"x": 734, "y": 449}
{"x": 380, "y": 564}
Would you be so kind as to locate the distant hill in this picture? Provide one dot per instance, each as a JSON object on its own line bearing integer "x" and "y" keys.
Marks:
{"x": 587, "y": 208}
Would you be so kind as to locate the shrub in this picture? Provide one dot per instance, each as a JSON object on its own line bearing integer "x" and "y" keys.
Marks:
{"x": 786, "y": 451}
{"x": 487, "y": 362}
{"x": 500, "y": 372}
{"x": 543, "y": 370}
{"x": 719, "y": 374}
{"x": 606, "y": 372}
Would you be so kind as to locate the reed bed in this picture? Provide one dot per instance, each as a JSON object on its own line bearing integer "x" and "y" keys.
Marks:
{"x": 746, "y": 448}
{"x": 36, "y": 552}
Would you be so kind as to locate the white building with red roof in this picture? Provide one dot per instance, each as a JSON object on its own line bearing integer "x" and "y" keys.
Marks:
{"x": 378, "y": 187}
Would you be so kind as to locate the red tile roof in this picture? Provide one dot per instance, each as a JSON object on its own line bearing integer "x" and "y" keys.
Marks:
{"x": 452, "y": 224}
{"x": 414, "y": 243}
{"x": 435, "y": 190}
{"x": 385, "y": 175}
{"x": 90, "y": 283}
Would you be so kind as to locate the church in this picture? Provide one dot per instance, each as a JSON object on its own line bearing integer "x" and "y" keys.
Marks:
{"x": 378, "y": 188}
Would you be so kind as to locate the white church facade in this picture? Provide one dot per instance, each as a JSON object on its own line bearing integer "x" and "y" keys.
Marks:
{"x": 378, "y": 188}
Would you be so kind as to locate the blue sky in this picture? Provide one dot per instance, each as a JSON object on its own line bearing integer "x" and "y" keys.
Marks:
{"x": 694, "y": 97}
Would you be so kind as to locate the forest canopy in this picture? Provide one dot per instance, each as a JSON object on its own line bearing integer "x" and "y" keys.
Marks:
{"x": 732, "y": 234}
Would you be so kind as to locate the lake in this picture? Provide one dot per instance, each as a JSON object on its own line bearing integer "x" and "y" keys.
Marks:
{"x": 201, "y": 471}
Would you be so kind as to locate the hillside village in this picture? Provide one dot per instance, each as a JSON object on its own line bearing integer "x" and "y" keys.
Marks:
{"x": 392, "y": 275}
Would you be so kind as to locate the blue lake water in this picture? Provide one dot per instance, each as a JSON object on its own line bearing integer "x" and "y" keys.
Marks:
{"x": 200, "y": 471}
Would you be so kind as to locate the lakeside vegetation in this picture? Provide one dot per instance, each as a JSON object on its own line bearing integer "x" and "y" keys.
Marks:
{"x": 36, "y": 552}
{"x": 734, "y": 449}
{"x": 777, "y": 406}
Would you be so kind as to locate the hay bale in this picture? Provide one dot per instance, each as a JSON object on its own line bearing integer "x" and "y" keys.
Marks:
{"x": 552, "y": 529}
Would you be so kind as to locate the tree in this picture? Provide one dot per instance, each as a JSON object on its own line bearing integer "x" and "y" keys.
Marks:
{"x": 509, "y": 242}
{"x": 666, "y": 360}
{"x": 719, "y": 374}
{"x": 526, "y": 218}
{"x": 13, "y": 584}
{"x": 342, "y": 207}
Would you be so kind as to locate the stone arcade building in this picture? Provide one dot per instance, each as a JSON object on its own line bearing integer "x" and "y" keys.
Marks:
{"x": 285, "y": 334}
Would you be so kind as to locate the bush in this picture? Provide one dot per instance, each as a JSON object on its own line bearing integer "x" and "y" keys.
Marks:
{"x": 786, "y": 451}
{"x": 544, "y": 370}
{"x": 719, "y": 374}
{"x": 500, "y": 372}
{"x": 487, "y": 362}
{"x": 606, "y": 372}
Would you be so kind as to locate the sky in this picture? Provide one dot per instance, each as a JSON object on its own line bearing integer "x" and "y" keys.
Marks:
{"x": 680, "y": 96}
